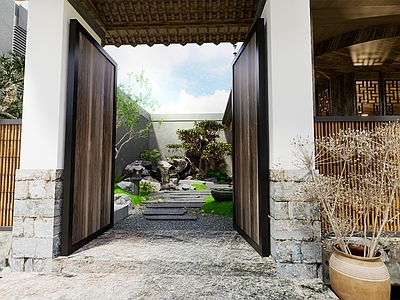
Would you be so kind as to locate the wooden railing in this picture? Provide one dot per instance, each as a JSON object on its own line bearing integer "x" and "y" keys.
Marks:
{"x": 10, "y": 142}
{"x": 325, "y": 126}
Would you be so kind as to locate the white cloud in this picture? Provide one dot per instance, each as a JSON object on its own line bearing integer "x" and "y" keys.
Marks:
{"x": 179, "y": 75}
{"x": 215, "y": 103}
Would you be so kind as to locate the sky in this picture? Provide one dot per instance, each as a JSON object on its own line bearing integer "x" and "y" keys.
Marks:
{"x": 184, "y": 79}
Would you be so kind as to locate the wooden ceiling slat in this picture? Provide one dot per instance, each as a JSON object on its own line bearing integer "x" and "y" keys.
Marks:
{"x": 156, "y": 21}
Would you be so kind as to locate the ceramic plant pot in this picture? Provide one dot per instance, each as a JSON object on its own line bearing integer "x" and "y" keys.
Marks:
{"x": 355, "y": 277}
{"x": 221, "y": 195}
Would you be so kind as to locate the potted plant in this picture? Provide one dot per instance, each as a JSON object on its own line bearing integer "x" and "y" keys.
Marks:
{"x": 366, "y": 181}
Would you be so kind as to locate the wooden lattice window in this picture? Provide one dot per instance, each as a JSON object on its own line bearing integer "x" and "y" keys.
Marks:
{"x": 392, "y": 97}
{"x": 324, "y": 103}
{"x": 367, "y": 97}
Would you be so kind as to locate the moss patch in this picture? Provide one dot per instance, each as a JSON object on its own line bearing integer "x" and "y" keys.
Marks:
{"x": 199, "y": 186}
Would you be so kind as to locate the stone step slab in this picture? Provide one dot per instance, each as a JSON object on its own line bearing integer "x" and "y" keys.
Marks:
{"x": 171, "y": 218}
{"x": 163, "y": 211}
{"x": 175, "y": 205}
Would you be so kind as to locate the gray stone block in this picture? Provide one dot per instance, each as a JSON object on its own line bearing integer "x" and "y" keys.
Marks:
{"x": 32, "y": 175}
{"x": 18, "y": 226}
{"x": 289, "y": 175}
{"x": 44, "y": 248}
{"x": 279, "y": 210}
{"x": 17, "y": 264}
{"x": 28, "y": 228}
{"x": 312, "y": 252}
{"x": 299, "y": 230}
{"x": 56, "y": 245}
{"x": 316, "y": 227}
{"x": 303, "y": 211}
{"x": 42, "y": 189}
{"x": 34, "y": 208}
{"x": 43, "y": 227}
{"x": 288, "y": 270}
{"x": 23, "y": 247}
{"x": 287, "y": 251}
{"x": 21, "y": 191}
{"x": 57, "y": 226}
{"x": 283, "y": 191}
{"x": 58, "y": 207}
{"x": 5, "y": 247}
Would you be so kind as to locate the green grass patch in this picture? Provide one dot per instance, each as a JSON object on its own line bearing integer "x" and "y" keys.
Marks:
{"x": 217, "y": 208}
{"x": 209, "y": 199}
{"x": 200, "y": 186}
{"x": 137, "y": 200}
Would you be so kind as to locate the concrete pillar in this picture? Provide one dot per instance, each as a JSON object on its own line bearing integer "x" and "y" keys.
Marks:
{"x": 295, "y": 226}
{"x": 39, "y": 188}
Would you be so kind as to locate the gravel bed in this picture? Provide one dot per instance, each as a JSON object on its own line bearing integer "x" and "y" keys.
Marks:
{"x": 136, "y": 221}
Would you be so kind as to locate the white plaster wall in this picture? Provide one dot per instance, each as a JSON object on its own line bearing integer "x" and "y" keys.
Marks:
{"x": 290, "y": 78}
{"x": 43, "y": 123}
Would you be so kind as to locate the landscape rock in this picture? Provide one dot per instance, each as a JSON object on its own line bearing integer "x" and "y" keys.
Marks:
{"x": 122, "y": 199}
{"x": 165, "y": 168}
{"x": 127, "y": 186}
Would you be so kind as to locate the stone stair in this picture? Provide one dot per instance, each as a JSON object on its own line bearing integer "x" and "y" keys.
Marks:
{"x": 174, "y": 205}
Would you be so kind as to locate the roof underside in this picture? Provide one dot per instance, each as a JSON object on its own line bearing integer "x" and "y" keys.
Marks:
{"x": 134, "y": 22}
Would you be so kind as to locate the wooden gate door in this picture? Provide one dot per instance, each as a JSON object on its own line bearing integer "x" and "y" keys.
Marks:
{"x": 88, "y": 206}
{"x": 250, "y": 141}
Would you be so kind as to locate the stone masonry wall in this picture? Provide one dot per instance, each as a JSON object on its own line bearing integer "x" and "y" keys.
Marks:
{"x": 36, "y": 236}
{"x": 295, "y": 228}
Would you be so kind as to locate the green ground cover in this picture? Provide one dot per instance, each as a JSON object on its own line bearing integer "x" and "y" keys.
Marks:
{"x": 217, "y": 208}
{"x": 137, "y": 200}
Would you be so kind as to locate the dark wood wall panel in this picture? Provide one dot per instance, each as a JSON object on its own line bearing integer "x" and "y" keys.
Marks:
{"x": 250, "y": 142}
{"x": 246, "y": 133}
{"x": 89, "y": 142}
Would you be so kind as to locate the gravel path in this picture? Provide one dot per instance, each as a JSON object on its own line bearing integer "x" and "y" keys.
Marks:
{"x": 136, "y": 221}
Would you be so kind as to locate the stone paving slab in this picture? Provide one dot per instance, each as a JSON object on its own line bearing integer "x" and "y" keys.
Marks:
{"x": 171, "y": 218}
{"x": 174, "y": 205}
{"x": 172, "y": 264}
{"x": 163, "y": 211}
{"x": 164, "y": 200}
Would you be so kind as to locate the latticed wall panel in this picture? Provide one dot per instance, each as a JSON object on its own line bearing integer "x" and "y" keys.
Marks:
{"x": 392, "y": 97}
{"x": 324, "y": 103}
{"x": 367, "y": 97}
{"x": 330, "y": 167}
{"x": 10, "y": 142}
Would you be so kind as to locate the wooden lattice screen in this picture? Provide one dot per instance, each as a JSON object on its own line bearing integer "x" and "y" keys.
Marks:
{"x": 324, "y": 128}
{"x": 10, "y": 141}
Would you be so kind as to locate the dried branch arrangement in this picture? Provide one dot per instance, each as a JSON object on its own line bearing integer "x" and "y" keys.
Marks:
{"x": 366, "y": 181}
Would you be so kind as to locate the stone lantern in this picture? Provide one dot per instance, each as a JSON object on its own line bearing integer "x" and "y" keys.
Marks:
{"x": 136, "y": 176}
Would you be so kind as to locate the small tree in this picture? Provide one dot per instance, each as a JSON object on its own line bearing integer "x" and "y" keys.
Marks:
{"x": 201, "y": 142}
{"x": 12, "y": 67}
{"x": 132, "y": 100}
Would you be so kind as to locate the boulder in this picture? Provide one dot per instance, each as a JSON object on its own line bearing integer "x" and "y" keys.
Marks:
{"x": 165, "y": 169}
{"x": 122, "y": 199}
{"x": 181, "y": 165}
{"x": 127, "y": 186}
